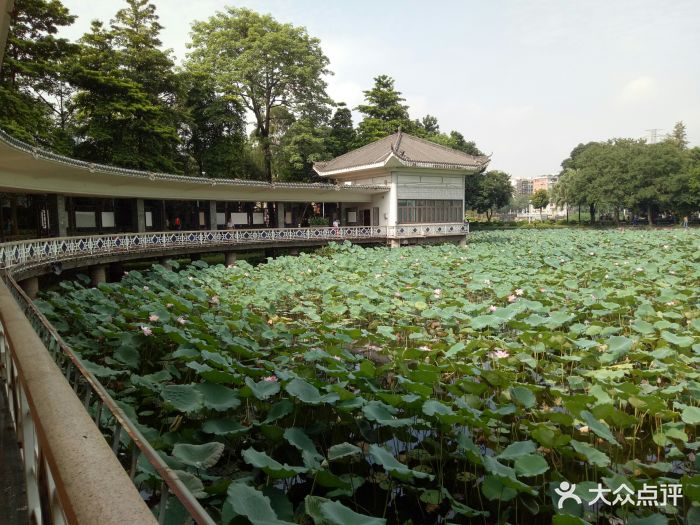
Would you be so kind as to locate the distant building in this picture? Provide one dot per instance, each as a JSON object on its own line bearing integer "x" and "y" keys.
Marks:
{"x": 523, "y": 186}
{"x": 543, "y": 183}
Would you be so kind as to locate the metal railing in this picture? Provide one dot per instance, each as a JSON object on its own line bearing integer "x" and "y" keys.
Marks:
{"x": 126, "y": 441}
{"x": 41, "y": 251}
{"x": 427, "y": 230}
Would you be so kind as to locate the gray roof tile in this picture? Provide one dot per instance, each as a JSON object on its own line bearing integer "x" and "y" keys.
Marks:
{"x": 409, "y": 150}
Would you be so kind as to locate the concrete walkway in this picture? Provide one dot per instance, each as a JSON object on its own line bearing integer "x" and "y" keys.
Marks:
{"x": 13, "y": 498}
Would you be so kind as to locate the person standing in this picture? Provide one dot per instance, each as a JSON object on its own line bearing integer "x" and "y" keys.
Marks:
{"x": 685, "y": 221}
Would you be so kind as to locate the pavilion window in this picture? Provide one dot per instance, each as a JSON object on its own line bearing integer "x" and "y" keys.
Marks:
{"x": 427, "y": 211}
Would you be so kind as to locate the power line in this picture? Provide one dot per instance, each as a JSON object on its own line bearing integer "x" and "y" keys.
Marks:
{"x": 653, "y": 134}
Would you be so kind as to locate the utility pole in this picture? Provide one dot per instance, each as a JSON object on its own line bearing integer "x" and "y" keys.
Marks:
{"x": 653, "y": 134}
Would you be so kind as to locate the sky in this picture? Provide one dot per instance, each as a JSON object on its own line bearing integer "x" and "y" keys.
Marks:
{"x": 526, "y": 80}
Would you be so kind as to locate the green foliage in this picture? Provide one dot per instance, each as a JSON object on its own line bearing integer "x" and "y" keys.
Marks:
{"x": 264, "y": 64}
{"x": 485, "y": 192}
{"x": 627, "y": 173}
{"x": 33, "y": 88}
{"x": 557, "y": 355}
{"x": 342, "y": 134}
{"x": 215, "y": 136}
{"x": 126, "y": 91}
{"x": 540, "y": 199}
{"x": 383, "y": 113}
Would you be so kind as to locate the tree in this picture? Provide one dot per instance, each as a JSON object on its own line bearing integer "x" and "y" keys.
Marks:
{"x": 213, "y": 131}
{"x": 430, "y": 124}
{"x": 33, "y": 88}
{"x": 581, "y": 165}
{"x": 384, "y": 112}
{"x": 342, "y": 133}
{"x": 540, "y": 200}
{"x": 488, "y": 191}
{"x": 125, "y": 111}
{"x": 263, "y": 63}
{"x": 303, "y": 143}
{"x": 455, "y": 140}
{"x": 678, "y": 136}
{"x": 651, "y": 170}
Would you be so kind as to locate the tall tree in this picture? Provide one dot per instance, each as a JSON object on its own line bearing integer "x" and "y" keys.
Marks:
{"x": 679, "y": 136}
{"x": 213, "y": 131}
{"x": 342, "y": 133}
{"x": 33, "y": 88}
{"x": 262, "y": 62}
{"x": 383, "y": 113}
{"x": 125, "y": 104}
{"x": 488, "y": 191}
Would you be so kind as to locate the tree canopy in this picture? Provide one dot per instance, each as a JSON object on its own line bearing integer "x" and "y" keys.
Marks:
{"x": 631, "y": 174}
{"x": 263, "y": 63}
{"x": 485, "y": 192}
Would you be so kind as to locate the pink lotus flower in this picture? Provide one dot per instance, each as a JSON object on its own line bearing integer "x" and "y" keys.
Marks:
{"x": 214, "y": 299}
{"x": 543, "y": 290}
{"x": 153, "y": 318}
{"x": 519, "y": 291}
{"x": 397, "y": 294}
{"x": 492, "y": 308}
{"x": 146, "y": 330}
{"x": 424, "y": 348}
{"x": 190, "y": 278}
{"x": 181, "y": 320}
{"x": 511, "y": 298}
{"x": 230, "y": 266}
{"x": 169, "y": 305}
{"x": 437, "y": 292}
{"x": 270, "y": 379}
{"x": 337, "y": 358}
{"x": 671, "y": 303}
{"x": 146, "y": 288}
{"x": 499, "y": 353}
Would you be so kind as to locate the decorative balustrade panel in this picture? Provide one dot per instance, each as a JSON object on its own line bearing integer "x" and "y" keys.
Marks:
{"x": 56, "y": 249}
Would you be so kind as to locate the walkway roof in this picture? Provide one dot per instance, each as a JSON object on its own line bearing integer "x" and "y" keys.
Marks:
{"x": 25, "y": 168}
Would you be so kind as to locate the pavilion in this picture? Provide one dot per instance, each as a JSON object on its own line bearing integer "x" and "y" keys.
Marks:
{"x": 425, "y": 180}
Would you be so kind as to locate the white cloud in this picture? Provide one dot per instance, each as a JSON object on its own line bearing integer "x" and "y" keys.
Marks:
{"x": 641, "y": 89}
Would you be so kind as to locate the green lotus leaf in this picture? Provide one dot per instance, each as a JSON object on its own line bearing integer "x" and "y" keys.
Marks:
{"x": 599, "y": 428}
{"x": 298, "y": 439}
{"x": 393, "y": 466}
{"x": 531, "y": 465}
{"x": 304, "y": 392}
{"x": 273, "y": 468}
{"x": 327, "y": 512}
{"x": 263, "y": 389}
{"x": 343, "y": 450}
{"x": 185, "y": 398}
{"x": 218, "y": 397}
{"x": 518, "y": 449}
{"x": 201, "y": 456}
{"x": 253, "y": 504}
{"x": 691, "y": 415}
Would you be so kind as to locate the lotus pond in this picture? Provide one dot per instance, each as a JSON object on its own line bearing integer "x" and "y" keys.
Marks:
{"x": 422, "y": 385}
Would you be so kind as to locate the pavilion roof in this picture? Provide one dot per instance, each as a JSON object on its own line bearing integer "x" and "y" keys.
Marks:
{"x": 407, "y": 150}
